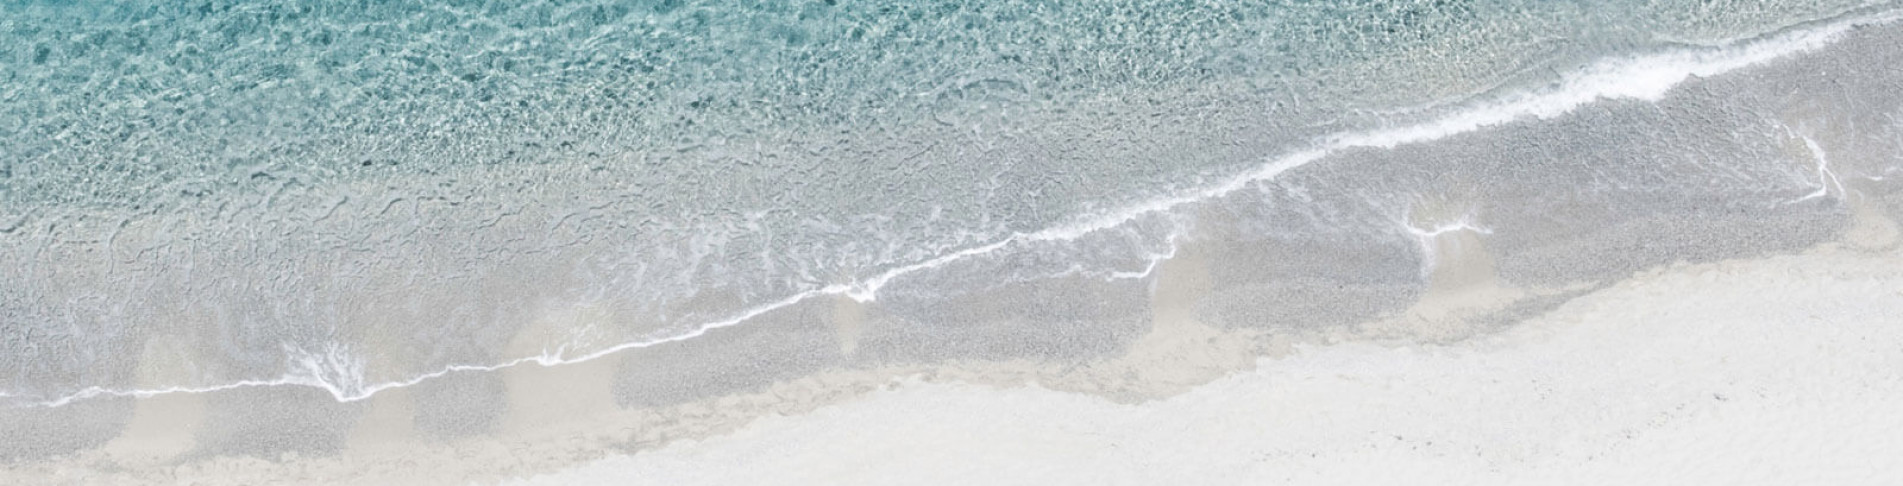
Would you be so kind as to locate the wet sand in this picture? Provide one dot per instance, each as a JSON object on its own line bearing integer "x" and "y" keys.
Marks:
{"x": 1770, "y": 371}
{"x": 1692, "y": 359}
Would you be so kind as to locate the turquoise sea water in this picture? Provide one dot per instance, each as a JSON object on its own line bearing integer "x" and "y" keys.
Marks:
{"x": 349, "y": 195}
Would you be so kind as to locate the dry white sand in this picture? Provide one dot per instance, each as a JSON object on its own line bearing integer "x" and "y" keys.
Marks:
{"x": 1786, "y": 370}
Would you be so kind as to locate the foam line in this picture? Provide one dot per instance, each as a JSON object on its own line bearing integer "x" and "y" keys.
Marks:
{"x": 1425, "y": 239}
{"x": 1825, "y": 177}
{"x": 1646, "y": 78}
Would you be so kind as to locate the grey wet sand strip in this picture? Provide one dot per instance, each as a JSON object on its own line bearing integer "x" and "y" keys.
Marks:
{"x": 560, "y": 426}
{"x": 562, "y": 420}
{"x": 1768, "y": 370}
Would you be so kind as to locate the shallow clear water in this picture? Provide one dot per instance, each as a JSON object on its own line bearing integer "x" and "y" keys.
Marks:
{"x": 352, "y": 197}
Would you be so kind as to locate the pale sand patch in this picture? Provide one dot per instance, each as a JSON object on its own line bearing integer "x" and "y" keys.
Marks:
{"x": 1463, "y": 281}
{"x": 387, "y": 425}
{"x": 389, "y": 420}
{"x": 544, "y": 400}
{"x": 1775, "y": 371}
{"x": 1178, "y": 353}
{"x": 1870, "y": 229}
{"x": 1462, "y": 284}
{"x": 849, "y": 321}
{"x": 161, "y": 427}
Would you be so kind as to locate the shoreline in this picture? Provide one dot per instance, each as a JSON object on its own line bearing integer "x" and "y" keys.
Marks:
{"x": 1682, "y": 373}
{"x": 554, "y": 427}
{"x": 1438, "y": 283}
{"x": 1604, "y": 80}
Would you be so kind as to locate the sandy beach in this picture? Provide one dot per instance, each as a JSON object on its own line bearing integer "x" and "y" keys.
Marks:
{"x": 1773, "y": 371}
{"x": 1755, "y": 371}
{"x": 1097, "y": 243}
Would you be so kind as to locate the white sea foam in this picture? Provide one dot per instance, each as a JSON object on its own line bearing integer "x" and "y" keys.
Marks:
{"x": 1425, "y": 239}
{"x": 1646, "y": 78}
{"x": 1826, "y": 178}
